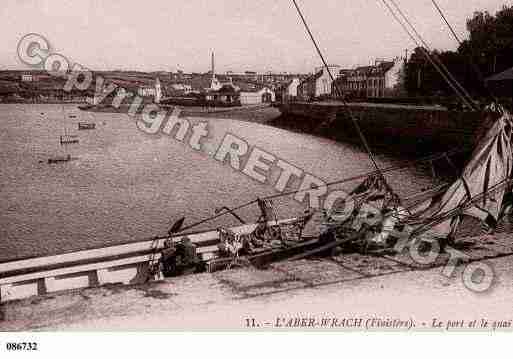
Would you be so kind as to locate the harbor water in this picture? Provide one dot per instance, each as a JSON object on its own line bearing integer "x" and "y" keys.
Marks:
{"x": 125, "y": 185}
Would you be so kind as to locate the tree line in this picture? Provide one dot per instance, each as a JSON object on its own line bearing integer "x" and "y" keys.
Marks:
{"x": 487, "y": 51}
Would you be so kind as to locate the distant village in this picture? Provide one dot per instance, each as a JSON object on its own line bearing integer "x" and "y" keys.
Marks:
{"x": 382, "y": 79}
{"x": 404, "y": 79}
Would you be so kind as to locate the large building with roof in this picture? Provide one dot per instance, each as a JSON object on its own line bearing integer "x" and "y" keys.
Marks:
{"x": 501, "y": 84}
{"x": 256, "y": 95}
{"x": 383, "y": 79}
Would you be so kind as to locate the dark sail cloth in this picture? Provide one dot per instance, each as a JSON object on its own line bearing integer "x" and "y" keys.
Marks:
{"x": 363, "y": 215}
{"x": 168, "y": 260}
{"x": 485, "y": 181}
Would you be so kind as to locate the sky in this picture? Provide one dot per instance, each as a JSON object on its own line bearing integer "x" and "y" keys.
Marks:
{"x": 246, "y": 35}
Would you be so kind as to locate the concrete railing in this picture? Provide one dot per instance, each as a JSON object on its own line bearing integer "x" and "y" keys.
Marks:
{"x": 126, "y": 264}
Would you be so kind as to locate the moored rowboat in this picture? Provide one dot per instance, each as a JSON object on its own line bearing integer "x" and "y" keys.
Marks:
{"x": 59, "y": 159}
{"x": 86, "y": 126}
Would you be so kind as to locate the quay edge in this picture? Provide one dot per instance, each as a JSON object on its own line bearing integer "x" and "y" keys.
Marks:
{"x": 385, "y": 124}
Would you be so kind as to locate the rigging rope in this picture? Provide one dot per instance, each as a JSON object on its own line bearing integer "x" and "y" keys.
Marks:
{"x": 408, "y": 164}
{"x": 218, "y": 215}
{"x": 447, "y": 22}
{"x": 476, "y": 69}
{"x": 439, "y": 62}
{"x": 428, "y": 56}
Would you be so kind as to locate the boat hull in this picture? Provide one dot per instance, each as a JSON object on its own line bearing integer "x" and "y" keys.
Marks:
{"x": 59, "y": 159}
{"x": 86, "y": 126}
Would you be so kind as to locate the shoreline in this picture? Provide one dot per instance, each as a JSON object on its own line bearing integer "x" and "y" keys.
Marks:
{"x": 265, "y": 114}
{"x": 314, "y": 286}
{"x": 271, "y": 116}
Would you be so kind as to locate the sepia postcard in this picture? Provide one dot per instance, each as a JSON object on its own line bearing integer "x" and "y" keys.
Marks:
{"x": 295, "y": 165}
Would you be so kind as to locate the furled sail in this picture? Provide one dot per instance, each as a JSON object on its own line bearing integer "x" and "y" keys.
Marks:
{"x": 481, "y": 188}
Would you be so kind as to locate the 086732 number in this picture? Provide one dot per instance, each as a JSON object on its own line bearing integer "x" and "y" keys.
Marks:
{"x": 22, "y": 346}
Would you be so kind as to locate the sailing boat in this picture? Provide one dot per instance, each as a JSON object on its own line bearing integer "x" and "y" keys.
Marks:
{"x": 67, "y": 139}
{"x": 482, "y": 191}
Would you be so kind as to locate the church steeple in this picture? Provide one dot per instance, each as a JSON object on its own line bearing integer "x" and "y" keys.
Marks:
{"x": 213, "y": 69}
{"x": 214, "y": 83}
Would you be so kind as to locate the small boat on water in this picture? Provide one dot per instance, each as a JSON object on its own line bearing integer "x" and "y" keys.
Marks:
{"x": 68, "y": 139}
{"x": 86, "y": 126}
{"x": 58, "y": 159}
{"x": 85, "y": 107}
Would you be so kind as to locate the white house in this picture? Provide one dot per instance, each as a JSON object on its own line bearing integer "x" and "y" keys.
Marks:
{"x": 27, "y": 78}
{"x": 146, "y": 91}
{"x": 263, "y": 95}
{"x": 181, "y": 87}
{"x": 319, "y": 83}
{"x": 393, "y": 75}
{"x": 155, "y": 91}
{"x": 291, "y": 89}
